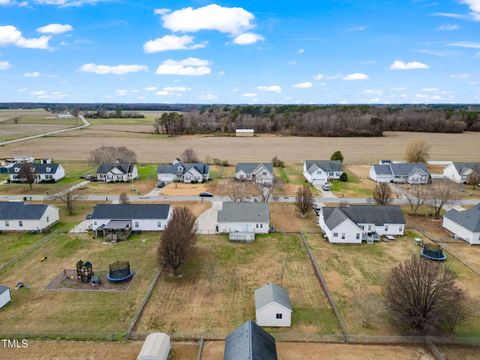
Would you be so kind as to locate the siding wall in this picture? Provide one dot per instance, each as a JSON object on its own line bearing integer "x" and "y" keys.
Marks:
{"x": 267, "y": 316}
{"x": 461, "y": 232}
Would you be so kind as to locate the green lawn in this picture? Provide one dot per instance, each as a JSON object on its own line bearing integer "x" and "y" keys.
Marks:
{"x": 148, "y": 171}
{"x": 351, "y": 188}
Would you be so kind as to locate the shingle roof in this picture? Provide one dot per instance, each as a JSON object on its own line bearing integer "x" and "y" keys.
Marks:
{"x": 250, "y": 342}
{"x": 130, "y": 211}
{"x": 325, "y": 165}
{"x": 463, "y": 167}
{"x": 469, "y": 219}
{"x": 174, "y": 168}
{"x": 249, "y": 167}
{"x": 244, "y": 212}
{"x": 363, "y": 214}
{"x": 38, "y": 168}
{"x": 117, "y": 224}
{"x": 125, "y": 168}
{"x": 382, "y": 169}
{"x": 407, "y": 168}
{"x": 272, "y": 293}
{"x": 21, "y": 211}
{"x": 3, "y": 289}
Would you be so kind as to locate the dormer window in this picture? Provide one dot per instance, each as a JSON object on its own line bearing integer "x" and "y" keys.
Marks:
{"x": 48, "y": 169}
{"x": 180, "y": 169}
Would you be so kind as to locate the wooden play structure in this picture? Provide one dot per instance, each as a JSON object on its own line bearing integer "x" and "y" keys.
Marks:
{"x": 84, "y": 271}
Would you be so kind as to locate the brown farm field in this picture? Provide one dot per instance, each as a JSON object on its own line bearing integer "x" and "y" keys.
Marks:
{"x": 77, "y": 145}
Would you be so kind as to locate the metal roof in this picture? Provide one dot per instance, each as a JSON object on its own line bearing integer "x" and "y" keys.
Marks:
{"x": 117, "y": 224}
{"x": 272, "y": 293}
{"x": 363, "y": 214}
{"x": 469, "y": 219}
{"x": 131, "y": 211}
{"x": 250, "y": 342}
{"x": 3, "y": 289}
{"x": 325, "y": 165}
{"x": 244, "y": 212}
{"x": 21, "y": 211}
{"x": 182, "y": 168}
{"x": 124, "y": 168}
{"x": 250, "y": 167}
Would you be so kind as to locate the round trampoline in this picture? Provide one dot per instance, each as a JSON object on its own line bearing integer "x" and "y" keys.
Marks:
{"x": 433, "y": 252}
{"x": 119, "y": 271}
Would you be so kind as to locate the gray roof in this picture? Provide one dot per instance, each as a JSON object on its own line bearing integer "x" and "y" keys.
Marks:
{"x": 249, "y": 167}
{"x": 463, "y": 167}
{"x": 325, "y": 165}
{"x": 125, "y": 168}
{"x": 174, "y": 168}
{"x": 250, "y": 342}
{"x": 130, "y": 211}
{"x": 272, "y": 293}
{"x": 37, "y": 168}
{"x": 244, "y": 212}
{"x": 382, "y": 169}
{"x": 406, "y": 169}
{"x": 469, "y": 219}
{"x": 363, "y": 214}
{"x": 3, "y": 289}
{"x": 118, "y": 224}
{"x": 21, "y": 211}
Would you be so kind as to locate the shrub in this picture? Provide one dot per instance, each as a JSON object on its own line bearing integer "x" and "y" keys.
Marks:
{"x": 344, "y": 177}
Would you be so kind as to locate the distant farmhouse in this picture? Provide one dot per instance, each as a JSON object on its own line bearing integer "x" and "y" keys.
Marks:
{"x": 117, "y": 172}
{"x": 20, "y": 216}
{"x": 401, "y": 173}
{"x": 244, "y": 132}
{"x": 322, "y": 171}
{"x": 183, "y": 172}
{"x": 260, "y": 173}
{"x": 464, "y": 224}
{"x": 460, "y": 171}
{"x": 45, "y": 172}
{"x": 357, "y": 223}
{"x": 273, "y": 306}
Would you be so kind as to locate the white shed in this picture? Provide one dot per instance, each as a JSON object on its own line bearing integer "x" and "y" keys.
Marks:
{"x": 155, "y": 347}
{"x": 4, "y": 296}
{"x": 245, "y": 132}
{"x": 273, "y": 306}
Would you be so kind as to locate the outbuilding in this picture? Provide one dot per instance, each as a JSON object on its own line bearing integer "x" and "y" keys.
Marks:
{"x": 273, "y": 306}
{"x": 155, "y": 347}
{"x": 5, "y": 297}
{"x": 244, "y": 132}
{"x": 250, "y": 342}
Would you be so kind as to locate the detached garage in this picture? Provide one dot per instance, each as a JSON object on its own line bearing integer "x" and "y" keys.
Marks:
{"x": 4, "y": 296}
{"x": 155, "y": 347}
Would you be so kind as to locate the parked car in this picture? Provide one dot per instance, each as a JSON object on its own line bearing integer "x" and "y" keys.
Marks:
{"x": 161, "y": 184}
{"x": 205, "y": 194}
{"x": 326, "y": 187}
{"x": 87, "y": 177}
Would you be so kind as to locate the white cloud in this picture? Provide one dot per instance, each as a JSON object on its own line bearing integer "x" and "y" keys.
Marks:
{"x": 4, "y": 65}
{"x": 186, "y": 67}
{"x": 10, "y": 35}
{"x": 150, "y": 88}
{"x": 430, "y": 90}
{"x": 412, "y": 65}
{"x": 373, "y": 92}
{"x": 161, "y": 11}
{"x": 248, "y": 38}
{"x": 357, "y": 28}
{"x": 121, "y": 92}
{"x": 303, "y": 85}
{"x": 116, "y": 70}
{"x": 249, "y": 95}
{"x": 461, "y": 76}
{"x": 208, "y": 97}
{"x": 448, "y": 27}
{"x": 68, "y": 3}
{"x": 34, "y": 74}
{"x": 323, "y": 77}
{"x": 474, "y": 7}
{"x": 171, "y": 42}
{"x": 301, "y": 51}
{"x": 172, "y": 90}
{"x": 55, "y": 29}
{"x": 42, "y": 94}
{"x": 450, "y": 15}
{"x": 466, "y": 44}
{"x": 5, "y": 2}
{"x": 270, "y": 88}
{"x": 355, "y": 76}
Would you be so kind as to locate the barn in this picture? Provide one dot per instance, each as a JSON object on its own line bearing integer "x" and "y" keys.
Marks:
{"x": 244, "y": 132}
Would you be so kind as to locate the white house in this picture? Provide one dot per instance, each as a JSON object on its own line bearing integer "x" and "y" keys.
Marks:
{"x": 464, "y": 224}
{"x": 401, "y": 173}
{"x": 260, "y": 173}
{"x": 357, "y": 223}
{"x": 20, "y": 216}
{"x": 243, "y": 220}
{"x": 183, "y": 172}
{"x": 5, "y": 297}
{"x": 322, "y": 171}
{"x": 117, "y": 172}
{"x": 155, "y": 347}
{"x": 273, "y": 306}
{"x": 460, "y": 171}
{"x": 142, "y": 217}
{"x": 44, "y": 172}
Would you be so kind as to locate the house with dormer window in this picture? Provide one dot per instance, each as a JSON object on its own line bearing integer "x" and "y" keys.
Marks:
{"x": 179, "y": 171}
{"x": 117, "y": 172}
{"x": 44, "y": 172}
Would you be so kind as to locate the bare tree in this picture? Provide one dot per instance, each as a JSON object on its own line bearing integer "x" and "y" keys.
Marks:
{"x": 113, "y": 154}
{"x": 178, "y": 240}
{"x": 442, "y": 193}
{"x": 423, "y": 297}
{"x": 123, "y": 199}
{"x": 70, "y": 198}
{"x": 237, "y": 192}
{"x": 417, "y": 151}
{"x": 304, "y": 200}
{"x": 189, "y": 156}
{"x": 382, "y": 194}
{"x": 264, "y": 191}
{"x": 283, "y": 261}
{"x": 26, "y": 173}
{"x": 474, "y": 177}
{"x": 416, "y": 197}
{"x": 369, "y": 306}
{"x": 210, "y": 271}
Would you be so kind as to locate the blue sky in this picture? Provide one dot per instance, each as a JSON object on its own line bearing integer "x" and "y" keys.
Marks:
{"x": 278, "y": 51}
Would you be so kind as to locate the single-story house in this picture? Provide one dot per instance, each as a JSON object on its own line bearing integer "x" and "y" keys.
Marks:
{"x": 109, "y": 218}
{"x": 460, "y": 171}
{"x": 464, "y": 224}
{"x": 322, "y": 171}
{"x": 260, "y": 173}
{"x": 20, "y": 216}
{"x": 243, "y": 220}
{"x": 44, "y": 172}
{"x": 250, "y": 342}
{"x": 244, "y": 132}
{"x": 402, "y": 173}
{"x": 155, "y": 347}
{"x": 5, "y": 296}
{"x": 273, "y": 306}
{"x": 117, "y": 172}
{"x": 183, "y": 172}
{"x": 357, "y": 223}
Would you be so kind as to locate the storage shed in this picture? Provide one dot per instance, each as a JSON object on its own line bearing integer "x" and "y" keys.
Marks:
{"x": 273, "y": 306}
{"x": 155, "y": 347}
{"x": 245, "y": 132}
{"x": 250, "y": 342}
{"x": 4, "y": 296}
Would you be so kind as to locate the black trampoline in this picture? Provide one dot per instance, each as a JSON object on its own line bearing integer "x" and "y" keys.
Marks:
{"x": 433, "y": 252}
{"x": 119, "y": 271}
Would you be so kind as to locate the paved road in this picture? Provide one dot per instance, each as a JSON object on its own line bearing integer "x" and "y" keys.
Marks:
{"x": 85, "y": 124}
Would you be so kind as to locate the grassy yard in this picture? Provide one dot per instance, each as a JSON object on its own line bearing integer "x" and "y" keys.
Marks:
{"x": 185, "y": 306}
{"x": 285, "y": 217}
{"x": 289, "y": 179}
{"x": 354, "y": 187}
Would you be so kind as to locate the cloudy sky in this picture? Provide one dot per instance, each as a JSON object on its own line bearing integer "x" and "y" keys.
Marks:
{"x": 269, "y": 51}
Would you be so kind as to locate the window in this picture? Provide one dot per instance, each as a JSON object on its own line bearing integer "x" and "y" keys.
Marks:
{"x": 358, "y": 236}
{"x": 386, "y": 227}
{"x": 7, "y": 224}
{"x": 94, "y": 223}
{"x": 159, "y": 224}
{"x": 335, "y": 234}
{"x": 48, "y": 219}
{"x": 279, "y": 316}
{"x": 256, "y": 226}
{"x": 20, "y": 223}
{"x": 400, "y": 228}
{"x": 136, "y": 224}
{"x": 343, "y": 236}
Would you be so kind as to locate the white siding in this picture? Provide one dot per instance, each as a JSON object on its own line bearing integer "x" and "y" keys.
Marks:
{"x": 267, "y": 315}
{"x": 168, "y": 178}
{"x": 137, "y": 224}
{"x": 258, "y": 228}
{"x": 49, "y": 218}
{"x": 451, "y": 173}
{"x": 5, "y": 298}
{"x": 379, "y": 178}
{"x": 461, "y": 232}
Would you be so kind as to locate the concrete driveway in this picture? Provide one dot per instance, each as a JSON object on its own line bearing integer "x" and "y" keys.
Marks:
{"x": 207, "y": 221}
{"x": 325, "y": 194}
